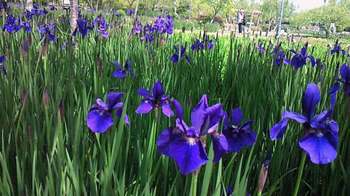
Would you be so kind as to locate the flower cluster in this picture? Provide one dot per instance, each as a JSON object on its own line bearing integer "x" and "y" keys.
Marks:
{"x": 179, "y": 55}
{"x": 102, "y": 26}
{"x": 83, "y": 27}
{"x": 48, "y": 32}
{"x": 162, "y": 25}
{"x": 199, "y": 45}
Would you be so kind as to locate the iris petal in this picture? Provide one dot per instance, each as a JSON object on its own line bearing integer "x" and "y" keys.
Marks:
{"x": 220, "y": 146}
{"x": 311, "y": 98}
{"x": 167, "y": 111}
{"x": 144, "y": 107}
{"x": 319, "y": 148}
{"x": 278, "y": 130}
{"x": 99, "y": 121}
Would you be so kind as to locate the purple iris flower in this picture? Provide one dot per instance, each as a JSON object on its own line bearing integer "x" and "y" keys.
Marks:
{"x": 130, "y": 12}
{"x": 321, "y": 132}
{"x": 3, "y": 6}
{"x": 137, "y": 27}
{"x": 12, "y": 24}
{"x": 337, "y": 49}
{"x": 260, "y": 47}
{"x": 100, "y": 118}
{"x": 279, "y": 56}
{"x": 184, "y": 143}
{"x": 2, "y": 65}
{"x": 121, "y": 72}
{"x": 345, "y": 78}
{"x": 238, "y": 134}
{"x": 164, "y": 24}
{"x": 156, "y": 99}
{"x": 299, "y": 59}
{"x": 26, "y": 26}
{"x": 83, "y": 27}
{"x": 179, "y": 55}
{"x": 37, "y": 11}
{"x": 102, "y": 26}
{"x": 197, "y": 45}
{"x": 48, "y": 32}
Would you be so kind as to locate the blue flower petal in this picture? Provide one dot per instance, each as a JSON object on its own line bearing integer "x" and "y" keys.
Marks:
{"x": 311, "y": 98}
{"x": 99, "y": 121}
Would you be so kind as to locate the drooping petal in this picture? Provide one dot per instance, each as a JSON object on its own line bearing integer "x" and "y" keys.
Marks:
{"x": 236, "y": 116}
{"x": 99, "y": 121}
{"x": 188, "y": 153}
{"x": 145, "y": 107}
{"x": 319, "y": 148}
{"x": 311, "y": 98}
{"x": 294, "y": 116}
{"x": 220, "y": 146}
{"x": 164, "y": 140}
{"x": 158, "y": 90}
{"x": 119, "y": 74}
{"x": 167, "y": 111}
{"x": 278, "y": 130}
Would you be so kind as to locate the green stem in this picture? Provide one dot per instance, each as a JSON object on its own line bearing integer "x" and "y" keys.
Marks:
{"x": 300, "y": 174}
{"x": 193, "y": 191}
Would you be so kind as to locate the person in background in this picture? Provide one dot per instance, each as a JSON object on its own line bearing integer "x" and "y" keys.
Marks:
{"x": 240, "y": 20}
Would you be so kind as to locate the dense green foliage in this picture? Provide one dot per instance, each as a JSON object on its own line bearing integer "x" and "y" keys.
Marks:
{"x": 324, "y": 16}
{"x": 46, "y": 148}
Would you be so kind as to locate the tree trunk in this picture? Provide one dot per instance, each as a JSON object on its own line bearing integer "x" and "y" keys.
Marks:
{"x": 29, "y": 4}
{"x": 73, "y": 15}
{"x": 175, "y": 7}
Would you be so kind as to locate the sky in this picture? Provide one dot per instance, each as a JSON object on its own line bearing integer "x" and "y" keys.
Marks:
{"x": 303, "y": 5}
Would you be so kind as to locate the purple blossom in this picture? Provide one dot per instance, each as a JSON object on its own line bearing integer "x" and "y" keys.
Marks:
{"x": 130, "y": 12}
{"x": 337, "y": 49}
{"x": 238, "y": 134}
{"x": 156, "y": 99}
{"x": 137, "y": 27}
{"x": 199, "y": 45}
{"x": 12, "y": 24}
{"x": 179, "y": 55}
{"x": 279, "y": 56}
{"x": 299, "y": 59}
{"x": 183, "y": 143}
{"x": 260, "y": 47}
{"x": 321, "y": 132}
{"x": 102, "y": 26}
{"x": 164, "y": 25}
{"x": 48, "y": 32}
{"x": 26, "y": 26}
{"x": 83, "y": 27}
{"x": 2, "y": 65}
{"x": 345, "y": 78}
{"x": 99, "y": 118}
{"x": 121, "y": 72}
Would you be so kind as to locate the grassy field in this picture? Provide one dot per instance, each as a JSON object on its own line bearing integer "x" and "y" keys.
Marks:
{"x": 47, "y": 149}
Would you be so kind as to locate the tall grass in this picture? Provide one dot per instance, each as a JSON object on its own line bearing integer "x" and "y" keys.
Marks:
{"x": 47, "y": 149}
